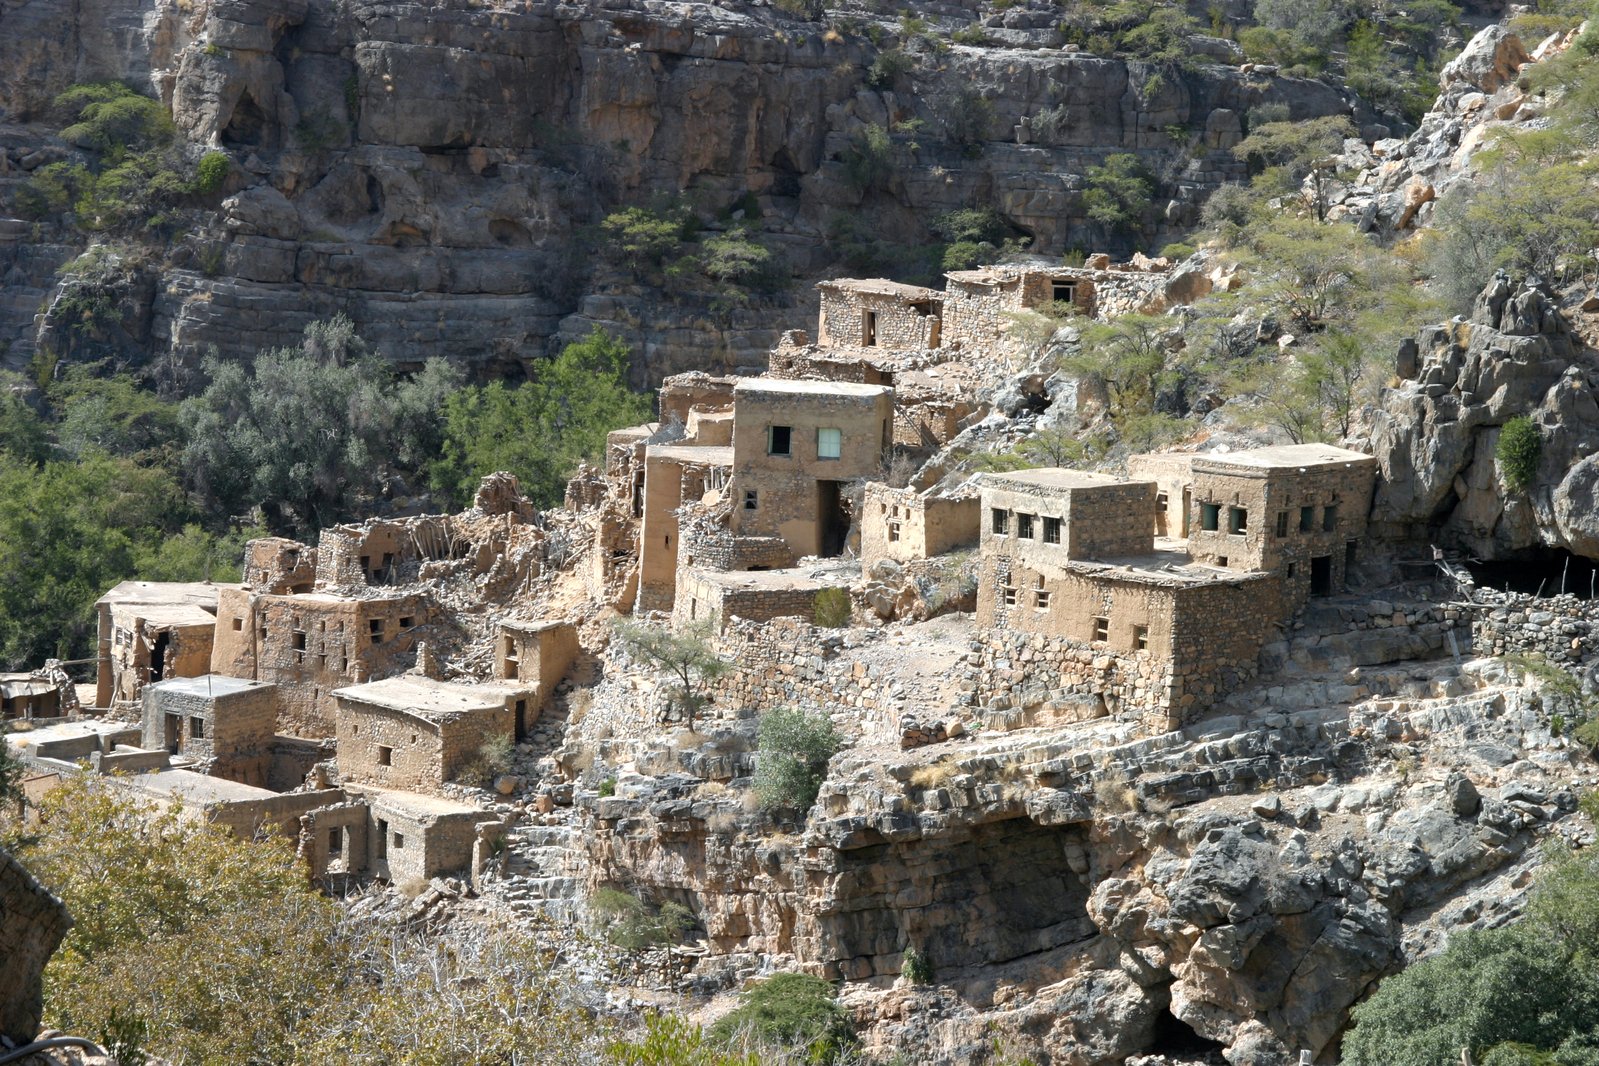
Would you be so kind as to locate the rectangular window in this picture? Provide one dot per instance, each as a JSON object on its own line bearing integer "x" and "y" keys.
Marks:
{"x": 1329, "y": 518}
{"x": 1307, "y": 519}
{"x": 1237, "y": 520}
{"x": 1282, "y": 523}
{"x": 1102, "y": 629}
{"x": 335, "y": 843}
{"x": 1024, "y": 526}
{"x": 829, "y": 443}
{"x": 1064, "y": 292}
{"x": 1010, "y": 595}
{"x": 197, "y": 727}
{"x": 298, "y": 641}
{"x": 399, "y": 841}
{"x": 385, "y": 756}
{"x": 238, "y": 624}
{"x": 1001, "y": 522}
{"x": 1221, "y": 561}
{"x": 406, "y": 623}
{"x": 1140, "y": 638}
{"x": 1210, "y": 517}
{"x": 751, "y": 499}
{"x": 893, "y": 532}
{"x": 1292, "y": 569}
{"x": 1051, "y": 530}
{"x": 383, "y": 839}
{"x": 779, "y": 440}
{"x": 869, "y": 329}
{"x": 1040, "y": 595}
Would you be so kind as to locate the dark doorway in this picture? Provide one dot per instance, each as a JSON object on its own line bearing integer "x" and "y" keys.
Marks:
{"x": 158, "y": 656}
{"x": 1321, "y": 575}
{"x": 1349, "y": 558}
{"x": 521, "y": 719}
{"x": 869, "y": 330}
{"x": 174, "y": 732}
{"x": 832, "y": 524}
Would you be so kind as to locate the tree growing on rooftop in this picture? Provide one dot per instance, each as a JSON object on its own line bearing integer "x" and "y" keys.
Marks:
{"x": 687, "y": 656}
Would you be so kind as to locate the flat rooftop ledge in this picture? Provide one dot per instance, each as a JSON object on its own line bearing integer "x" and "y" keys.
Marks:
{"x": 188, "y": 786}
{"x": 1058, "y": 478}
{"x": 201, "y": 594}
{"x": 882, "y": 287}
{"x": 416, "y": 803}
{"x": 1166, "y": 566}
{"x": 210, "y": 685}
{"x": 793, "y": 387}
{"x": 705, "y": 454}
{"x": 1282, "y": 457}
{"x": 429, "y": 699}
{"x": 818, "y": 576}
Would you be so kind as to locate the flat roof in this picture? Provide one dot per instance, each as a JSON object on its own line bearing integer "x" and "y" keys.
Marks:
{"x": 794, "y": 387}
{"x": 167, "y": 614}
{"x": 706, "y": 454}
{"x": 184, "y": 785}
{"x": 209, "y": 685}
{"x": 821, "y": 575}
{"x": 524, "y": 625}
{"x": 882, "y": 287}
{"x": 1285, "y": 456}
{"x": 73, "y": 730}
{"x": 198, "y": 593}
{"x": 1057, "y": 477}
{"x": 1166, "y": 566}
{"x": 414, "y": 802}
{"x": 428, "y": 699}
{"x": 14, "y": 685}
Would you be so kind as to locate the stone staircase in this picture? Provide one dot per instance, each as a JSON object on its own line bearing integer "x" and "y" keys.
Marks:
{"x": 540, "y": 878}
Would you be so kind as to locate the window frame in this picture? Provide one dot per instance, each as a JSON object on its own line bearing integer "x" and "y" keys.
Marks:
{"x": 1209, "y": 517}
{"x": 788, "y": 441}
{"x": 838, "y": 439}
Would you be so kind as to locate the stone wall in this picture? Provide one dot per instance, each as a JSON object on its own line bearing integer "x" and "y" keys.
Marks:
{"x": 907, "y": 526}
{"x": 706, "y": 544}
{"x": 32, "y": 924}
{"x": 410, "y": 839}
{"x": 681, "y": 393}
{"x": 538, "y": 654}
{"x": 838, "y": 363}
{"x": 143, "y": 647}
{"x": 712, "y": 595}
{"x": 673, "y": 475}
{"x": 1098, "y": 519}
{"x": 228, "y": 733}
{"x": 876, "y": 313}
{"x": 1560, "y": 629}
{"x": 421, "y": 755}
{"x": 277, "y": 564}
{"x": 309, "y": 645}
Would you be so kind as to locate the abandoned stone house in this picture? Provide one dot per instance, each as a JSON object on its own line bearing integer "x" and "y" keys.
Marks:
{"x": 222, "y": 726}
{"x": 152, "y": 630}
{"x": 909, "y": 527}
{"x": 875, "y": 312}
{"x": 398, "y": 836}
{"x": 1162, "y": 628}
{"x": 413, "y": 734}
{"x": 25, "y": 696}
{"x": 537, "y": 655}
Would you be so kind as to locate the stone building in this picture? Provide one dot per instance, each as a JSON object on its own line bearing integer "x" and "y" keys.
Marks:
{"x": 796, "y": 445}
{"x": 152, "y": 630}
{"x": 246, "y": 810}
{"x": 225, "y": 725}
{"x": 976, "y": 302}
{"x": 404, "y": 836}
{"x": 25, "y": 696}
{"x": 1173, "y": 475}
{"x": 674, "y": 474}
{"x": 312, "y": 643}
{"x": 718, "y": 597}
{"x": 536, "y": 654}
{"x": 1298, "y": 511}
{"x": 414, "y": 734}
{"x": 878, "y": 313}
{"x": 909, "y": 527}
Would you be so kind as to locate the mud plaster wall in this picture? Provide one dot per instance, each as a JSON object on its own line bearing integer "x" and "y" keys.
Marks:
{"x": 1096, "y": 522}
{"x": 669, "y": 480}
{"x": 905, "y": 526}
{"x": 186, "y": 651}
{"x": 422, "y": 755}
{"x": 787, "y": 486}
{"x": 236, "y": 730}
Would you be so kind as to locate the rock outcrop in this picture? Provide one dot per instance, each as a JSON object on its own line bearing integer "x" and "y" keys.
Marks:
{"x": 1435, "y": 435}
{"x": 32, "y": 923}
{"x": 433, "y": 170}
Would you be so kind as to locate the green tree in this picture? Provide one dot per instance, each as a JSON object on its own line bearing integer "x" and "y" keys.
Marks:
{"x": 539, "y": 430}
{"x": 1118, "y": 193}
{"x": 688, "y": 656}
{"x": 794, "y": 750}
{"x": 638, "y": 236}
{"x": 1128, "y": 355}
{"x": 1519, "y": 448}
{"x": 308, "y": 433}
{"x": 668, "y": 1040}
{"x": 1297, "y": 153}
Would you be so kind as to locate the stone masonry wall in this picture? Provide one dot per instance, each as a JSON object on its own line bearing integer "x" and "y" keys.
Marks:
{"x": 903, "y": 321}
{"x": 700, "y": 598}
{"x": 905, "y": 526}
{"x": 237, "y": 729}
{"x": 1560, "y": 629}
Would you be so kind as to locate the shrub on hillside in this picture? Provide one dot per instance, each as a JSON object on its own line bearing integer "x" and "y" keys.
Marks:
{"x": 794, "y": 750}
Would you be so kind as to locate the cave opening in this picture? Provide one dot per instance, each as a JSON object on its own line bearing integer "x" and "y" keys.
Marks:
{"x": 1540, "y": 573}
{"x": 247, "y": 126}
{"x": 1173, "y": 1036}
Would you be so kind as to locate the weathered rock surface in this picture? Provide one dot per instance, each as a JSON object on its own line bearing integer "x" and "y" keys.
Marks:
{"x": 431, "y": 169}
{"x": 32, "y": 924}
{"x": 1435, "y": 435}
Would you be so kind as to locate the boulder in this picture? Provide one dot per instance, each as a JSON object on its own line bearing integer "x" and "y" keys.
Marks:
{"x": 1490, "y": 60}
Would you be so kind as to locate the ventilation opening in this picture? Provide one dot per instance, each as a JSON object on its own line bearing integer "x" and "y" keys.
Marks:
{"x": 1175, "y": 1037}
{"x": 1546, "y": 573}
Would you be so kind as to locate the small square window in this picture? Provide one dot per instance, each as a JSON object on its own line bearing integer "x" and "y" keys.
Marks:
{"x": 751, "y": 499}
{"x": 1282, "y": 523}
{"x": 1140, "y": 638}
{"x": 1102, "y": 629}
{"x": 399, "y": 841}
{"x": 385, "y": 756}
{"x": 1024, "y": 526}
{"x": 297, "y": 640}
{"x": 779, "y": 440}
{"x": 1307, "y": 519}
{"x": 1329, "y": 518}
{"x": 1210, "y": 517}
{"x": 1010, "y": 595}
{"x": 1237, "y": 521}
{"x": 406, "y": 623}
{"x": 1221, "y": 560}
{"x": 829, "y": 443}
{"x": 1001, "y": 522}
{"x": 238, "y": 625}
{"x": 1051, "y": 530}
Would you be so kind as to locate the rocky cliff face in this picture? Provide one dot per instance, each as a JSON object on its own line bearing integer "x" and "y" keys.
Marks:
{"x": 1436, "y": 433}
{"x": 431, "y": 170}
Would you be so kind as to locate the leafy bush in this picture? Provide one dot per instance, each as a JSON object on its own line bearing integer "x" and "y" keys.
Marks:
{"x": 794, "y": 750}
{"x": 1518, "y": 451}
{"x": 916, "y": 967}
{"x": 607, "y": 788}
{"x": 869, "y": 159}
{"x": 1177, "y": 250}
{"x": 637, "y": 235}
{"x": 1119, "y": 192}
{"x": 967, "y": 115}
{"x": 211, "y": 172}
{"x": 972, "y": 34}
{"x": 627, "y": 921}
{"x": 788, "y": 1010}
{"x": 668, "y": 1040}
{"x": 832, "y": 608}
{"x": 889, "y": 68}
